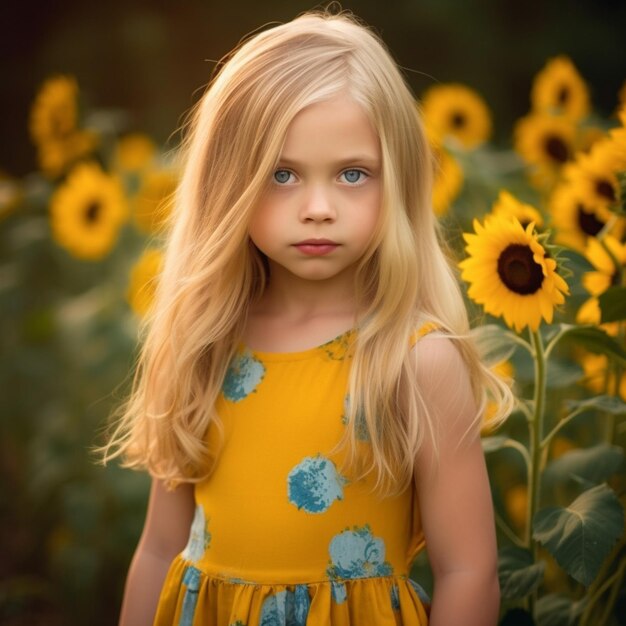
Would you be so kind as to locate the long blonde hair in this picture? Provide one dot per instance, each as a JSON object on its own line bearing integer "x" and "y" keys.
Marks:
{"x": 212, "y": 273}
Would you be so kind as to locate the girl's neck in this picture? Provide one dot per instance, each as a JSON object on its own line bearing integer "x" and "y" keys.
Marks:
{"x": 294, "y": 300}
{"x": 291, "y": 316}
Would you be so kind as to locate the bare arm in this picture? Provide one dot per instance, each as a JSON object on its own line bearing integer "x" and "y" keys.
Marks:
{"x": 455, "y": 499}
{"x": 165, "y": 534}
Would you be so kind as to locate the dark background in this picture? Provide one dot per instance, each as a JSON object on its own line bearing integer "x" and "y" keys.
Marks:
{"x": 151, "y": 59}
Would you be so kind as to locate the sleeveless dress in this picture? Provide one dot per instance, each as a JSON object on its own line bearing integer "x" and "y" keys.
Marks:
{"x": 279, "y": 536}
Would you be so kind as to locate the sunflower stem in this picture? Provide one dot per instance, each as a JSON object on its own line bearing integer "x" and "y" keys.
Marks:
{"x": 535, "y": 449}
{"x": 614, "y": 259}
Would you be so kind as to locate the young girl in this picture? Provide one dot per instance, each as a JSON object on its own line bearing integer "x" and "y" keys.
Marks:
{"x": 308, "y": 399}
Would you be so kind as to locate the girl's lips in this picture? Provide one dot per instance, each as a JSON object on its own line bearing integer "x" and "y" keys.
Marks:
{"x": 316, "y": 249}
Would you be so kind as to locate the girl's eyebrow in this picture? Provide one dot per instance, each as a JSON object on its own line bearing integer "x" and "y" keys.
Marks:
{"x": 357, "y": 158}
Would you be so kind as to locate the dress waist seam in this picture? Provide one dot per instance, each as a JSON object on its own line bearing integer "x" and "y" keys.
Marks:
{"x": 242, "y": 581}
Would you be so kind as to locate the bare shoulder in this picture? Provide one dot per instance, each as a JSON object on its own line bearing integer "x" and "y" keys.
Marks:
{"x": 444, "y": 379}
{"x": 437, "y": 350}
{"x": 440, "y": 364}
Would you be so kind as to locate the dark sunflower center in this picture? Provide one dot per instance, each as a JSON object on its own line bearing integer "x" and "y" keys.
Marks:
{"x": 563, "y": 95}
{"x": 518, "y": 270}
{"x": 458, "y": 120}
{"x": 605, "y": 189}
{"x": 615, "y": 279}
{"x": 556, "y": 148}
{"x": 92, "y": 212}
{"x": 588, "y": 222}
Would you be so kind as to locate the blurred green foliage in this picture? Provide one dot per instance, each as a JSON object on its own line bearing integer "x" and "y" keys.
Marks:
{"x": 67, "y": 525}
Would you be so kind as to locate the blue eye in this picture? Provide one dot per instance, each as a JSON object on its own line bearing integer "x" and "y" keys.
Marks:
{"x": 352, "y": 176}
{"x": 281, "y": 176}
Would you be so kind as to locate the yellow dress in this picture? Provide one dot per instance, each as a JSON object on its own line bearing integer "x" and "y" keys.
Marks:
{"x": 279, "y": 536}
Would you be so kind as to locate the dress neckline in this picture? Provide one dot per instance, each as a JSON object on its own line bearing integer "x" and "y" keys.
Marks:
{"x": 298, "y": 354}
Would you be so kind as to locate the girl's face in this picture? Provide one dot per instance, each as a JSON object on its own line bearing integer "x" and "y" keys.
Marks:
{"x": 323, "y": 202}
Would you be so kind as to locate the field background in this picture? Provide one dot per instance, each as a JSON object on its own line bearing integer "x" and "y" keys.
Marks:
{"x": 67, "y": 333}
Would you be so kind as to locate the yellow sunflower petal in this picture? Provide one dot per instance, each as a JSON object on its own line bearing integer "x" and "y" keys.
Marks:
{"x": 509, "y": 274}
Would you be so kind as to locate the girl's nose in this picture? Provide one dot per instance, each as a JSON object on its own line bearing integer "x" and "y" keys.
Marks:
{"x": 318, "y": 205}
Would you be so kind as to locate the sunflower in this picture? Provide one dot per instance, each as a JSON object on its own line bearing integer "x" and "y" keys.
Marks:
{"x": 510, "y": 272}
{"x": 589, "y": 313}
{"x": 448, "y": 179}
{"x": 605, "y": 275}
{"x": 456, "y": 112}
{"x": 134, "y": 152}
{"x": 154, "y": 200}
{"x": 559, "y": 88}
{"x": 87, "y": 211}
{"x": 54, "y": 113}
{"x": 597, "y": 376}
{"x": 594, "y": 174}
{"x": 54, "y": 128}
{"x": 508, "y": 205}
{"x": 575, "y": 221}
{"x": 542, "y": 139}
{"x": 143, "y": 277}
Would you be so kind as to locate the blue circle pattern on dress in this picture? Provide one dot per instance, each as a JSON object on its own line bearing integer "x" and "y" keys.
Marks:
{"x": 199, "y": 537}
{"x": 314, "y": 484}
{"x": 243, "y": 376}
{"x": 356, "y": 554}
{"x": 420, "y": 591}
{"x": 360, "y": 426}
{"x": 286, "y": 608}
{"x": 395, "y": 597}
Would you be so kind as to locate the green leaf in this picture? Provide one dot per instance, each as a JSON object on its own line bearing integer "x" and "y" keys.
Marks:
{"x": 494, "y": 343}
{"x": 593, "y": 339}
{"x": 563, "y": 373}
{"x": 517, "y": 573}
{"x": 613, "y": 304}
{"x": 580, "y": 536}
{"x": 555, "y": 609}
{"x": 593, "y": 464}
{"x": 606, "y": 404}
